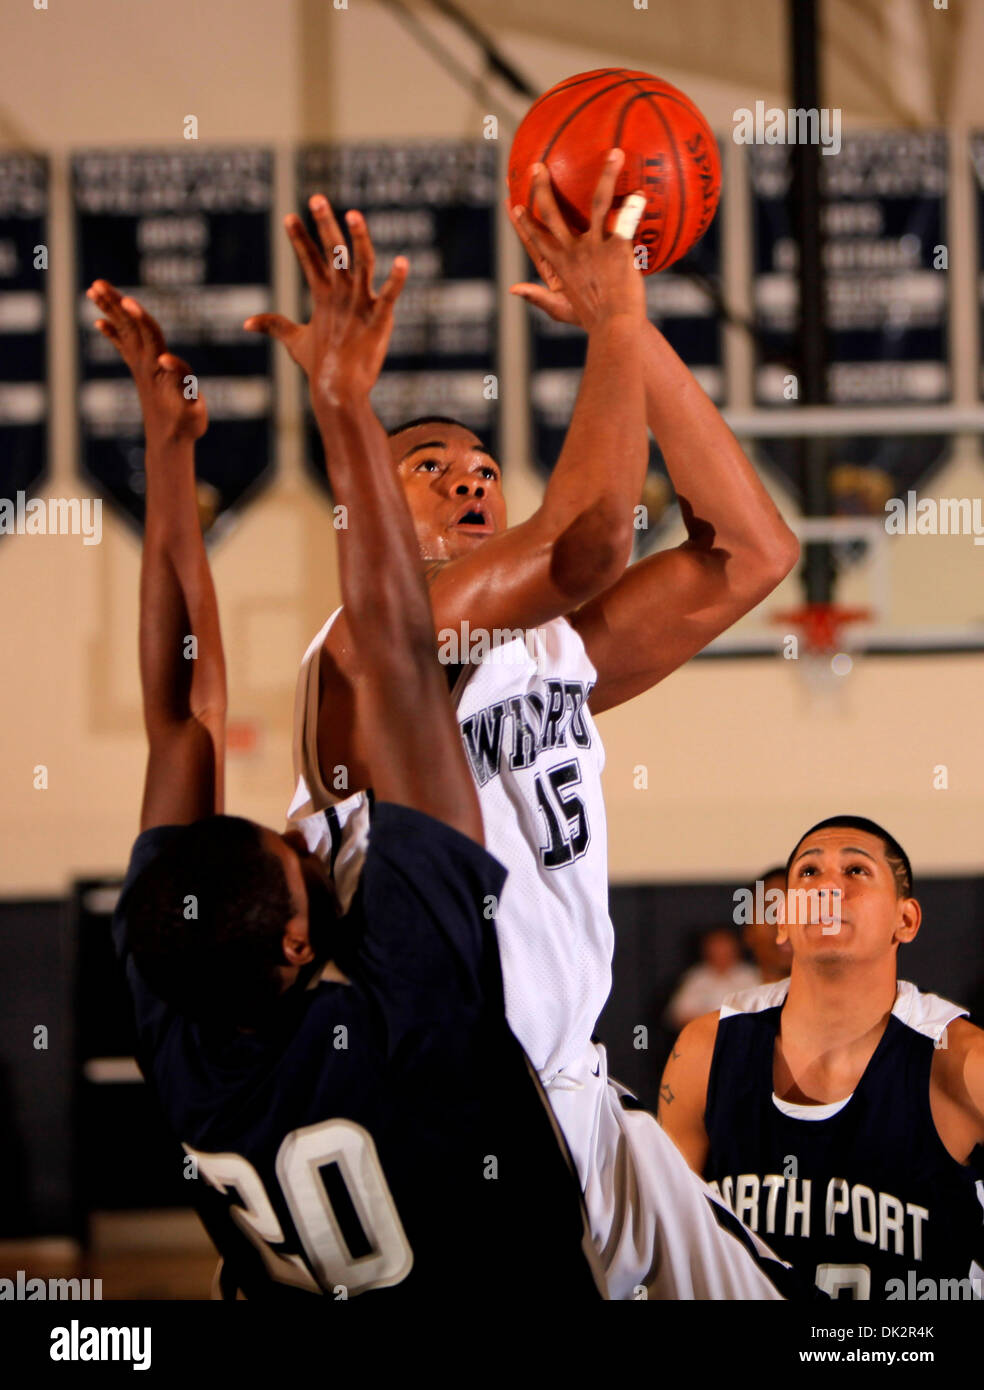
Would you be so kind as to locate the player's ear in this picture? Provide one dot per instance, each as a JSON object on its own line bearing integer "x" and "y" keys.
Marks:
{"x": 297, "y": 946}
{"x": 910, "y": 918}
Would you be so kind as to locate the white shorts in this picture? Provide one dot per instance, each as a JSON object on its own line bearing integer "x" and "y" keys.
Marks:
{"x": 659, "y": 1229}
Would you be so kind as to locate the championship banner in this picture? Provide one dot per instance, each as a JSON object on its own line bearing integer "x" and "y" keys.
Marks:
{"x": 434, "y": 202}
{"x": 887, "y": 299}
{"x": 188, "y": 234}
{"x": 23, "y": 324}
{"x": 683, "y": 302}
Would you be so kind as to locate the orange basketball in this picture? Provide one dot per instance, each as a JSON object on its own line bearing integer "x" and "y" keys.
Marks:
{"x": 670, "y": 155}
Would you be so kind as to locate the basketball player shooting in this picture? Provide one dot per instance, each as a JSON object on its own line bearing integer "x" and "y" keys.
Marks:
{"x": 874, "y": 1089}
{"x": 574, "y": 632}
{"x": 339, "y": 1085}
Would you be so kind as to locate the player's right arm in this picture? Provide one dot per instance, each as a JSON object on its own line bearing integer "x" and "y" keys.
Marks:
{"x": 579, "y": 540}
{"x": 683, "y": 1090}
{"x": 415, "y": 756}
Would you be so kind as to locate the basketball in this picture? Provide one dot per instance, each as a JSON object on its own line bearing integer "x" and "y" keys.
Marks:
{"x": 670, "y": 154}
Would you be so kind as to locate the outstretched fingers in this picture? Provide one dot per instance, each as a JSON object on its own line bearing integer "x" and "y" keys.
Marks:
{"x": 104, "y": 327}
{"x": 273, "y": 325}
{"x": 363, "y": 253}
{"x": 134, "y": 333}
{"x": 605, "y": 192}
{"x": 537, "y": 240}
{"x": 169, "y": 363}
{"x": 329, "y": 232}
{"x": 543, "y": 267}
{"x": 308, "y": 255}
{"x": 392, "y": 288}
{"x": 117, "y": 325}
{"x": 545, "y": 206}
{"x": 151, "y": 337}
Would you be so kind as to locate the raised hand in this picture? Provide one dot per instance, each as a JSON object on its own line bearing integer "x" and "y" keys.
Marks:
{"x": 587, "y": 277}
{"x": 342, "y": 348}
{"x": 172, "y": 407}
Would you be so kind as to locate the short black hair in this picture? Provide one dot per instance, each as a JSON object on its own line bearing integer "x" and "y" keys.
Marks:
{"x": 894, "y": 853}
{"x": 428, "y": 420}
{"x": 205, "y": 922}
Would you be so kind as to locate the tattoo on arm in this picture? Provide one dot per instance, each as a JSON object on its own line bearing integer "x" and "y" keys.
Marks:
{"x": 666, "y": 1095}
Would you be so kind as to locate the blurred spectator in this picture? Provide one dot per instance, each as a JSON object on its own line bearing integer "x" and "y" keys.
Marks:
{"x": 759, "y": 937}
{"x": 721, "y": 972}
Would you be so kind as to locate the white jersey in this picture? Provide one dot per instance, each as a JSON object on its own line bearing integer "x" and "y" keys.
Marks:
{"x": 536, "y": 757}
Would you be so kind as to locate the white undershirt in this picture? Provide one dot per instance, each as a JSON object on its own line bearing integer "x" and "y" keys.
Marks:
{"x": 796, "y": 1111}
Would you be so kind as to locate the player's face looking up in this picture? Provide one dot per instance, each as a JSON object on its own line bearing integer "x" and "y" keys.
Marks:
{"x": 453, "y": 488}
{"x": 868, "y": 919}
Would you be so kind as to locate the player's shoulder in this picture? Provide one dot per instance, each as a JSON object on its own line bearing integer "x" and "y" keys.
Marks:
{"x": 150, "y": 845}
{"x": 954, "y": 1045}
{"x": 407, "y": 844}
{"x": 697, "y": 1039}
{"x": 754, "y": 1000}
{"x": 955, "y": 1039}
{"x": 957, "y": 1087}
{"x": 928, "y": 1014}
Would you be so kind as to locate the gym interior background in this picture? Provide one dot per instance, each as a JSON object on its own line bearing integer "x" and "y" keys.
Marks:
{"x": 711, "y": 776}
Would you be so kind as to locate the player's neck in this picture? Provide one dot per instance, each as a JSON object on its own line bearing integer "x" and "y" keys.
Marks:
{"x": 772, "y": 977}
{"x": 829, "y": 1030}
{"x": 829, "y": 1011}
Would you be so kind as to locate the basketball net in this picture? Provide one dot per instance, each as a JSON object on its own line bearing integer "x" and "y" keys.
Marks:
{"x": 826, "y": 649}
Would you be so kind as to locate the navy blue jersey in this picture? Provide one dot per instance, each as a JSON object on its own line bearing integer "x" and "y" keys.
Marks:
{"x": 384, "y": 1133}
{"x": 861, "y": 1195}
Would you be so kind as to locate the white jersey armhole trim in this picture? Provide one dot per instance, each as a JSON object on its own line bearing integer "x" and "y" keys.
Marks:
{"x": 754, "y": 1001}
{"x": 924, "y": 1013}
{"x": 310, "y": 794}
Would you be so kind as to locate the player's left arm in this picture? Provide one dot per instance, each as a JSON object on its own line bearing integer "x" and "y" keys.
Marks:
{"x": 958, "y": 1077}
{"x": 182, "y": 668}
{"x": 666, "y": 608}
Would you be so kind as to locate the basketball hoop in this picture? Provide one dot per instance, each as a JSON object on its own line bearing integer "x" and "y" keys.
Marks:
{"x": 826, "y": 657}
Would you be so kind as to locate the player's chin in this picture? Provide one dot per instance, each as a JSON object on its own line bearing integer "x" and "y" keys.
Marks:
{"x": 828, "y": 941}
{"x": 462, "y": 539}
